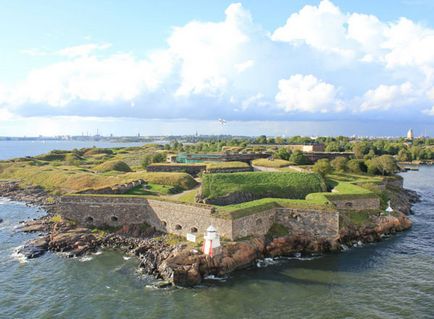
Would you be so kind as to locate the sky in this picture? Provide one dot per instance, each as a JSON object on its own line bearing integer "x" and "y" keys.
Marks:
{"x": 168, "y": 67}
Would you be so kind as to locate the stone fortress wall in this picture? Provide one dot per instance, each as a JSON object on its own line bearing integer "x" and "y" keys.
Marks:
{"x": 180, "y": 218}
{"x": 194, "y": 169}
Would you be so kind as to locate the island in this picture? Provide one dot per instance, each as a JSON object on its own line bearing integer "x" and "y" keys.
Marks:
{"x": 159, "y": 202}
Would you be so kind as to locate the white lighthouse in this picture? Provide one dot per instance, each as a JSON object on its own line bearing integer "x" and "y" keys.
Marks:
{"x": 211, "y": 245}
{"x": 389, "y": 209}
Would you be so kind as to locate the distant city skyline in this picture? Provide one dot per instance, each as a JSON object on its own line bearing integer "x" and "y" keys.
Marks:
{"x": 267, "y": 67}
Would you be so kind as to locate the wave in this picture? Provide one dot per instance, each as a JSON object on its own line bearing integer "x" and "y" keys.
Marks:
{"x": 85, "y": 258}
{"x": 16, "y": 255}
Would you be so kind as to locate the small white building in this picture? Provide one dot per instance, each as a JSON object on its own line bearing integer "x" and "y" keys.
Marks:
{"x": 211, "y": 244}
{"x": 389, "y": 209}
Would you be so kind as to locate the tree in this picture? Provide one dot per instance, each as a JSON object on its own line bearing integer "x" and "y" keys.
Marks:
{"x": 261, "y": 140}
{"x": 298, "y": 158}
{"x": 404, "y": 155}
{"x": 282, "y": 153}
{"x": 333, "y": 147}
{"x": 322, "y": 167}
{"x": 382, "y": 165}
{"x": 339, "y": 164}
{"x": 150, "y": 158}
{"x": 356, "y": 166}
{"x": 359, "y": 149}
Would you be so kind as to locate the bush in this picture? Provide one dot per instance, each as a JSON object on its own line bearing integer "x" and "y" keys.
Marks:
{"x": 298, "y": 158}
{"x": 118, "y": 166}
{"x": 282, "y": 153}
{"x": 151, "y": 158}
{"x": 339, "y": 164}
{"x": 356, "y": 166}
{"x": 322, "y": 167}
{"x": 263, "y": 184}
{"x": 382, "y": 165}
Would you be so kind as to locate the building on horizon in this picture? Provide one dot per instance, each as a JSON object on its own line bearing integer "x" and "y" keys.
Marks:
{"x": 410, "y": 134}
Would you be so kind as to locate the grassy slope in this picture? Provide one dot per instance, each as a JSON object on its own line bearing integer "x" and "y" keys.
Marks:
{"x": 269, "y": 184}
{"x": 228, "y": 165}
{"x": 277, "y": 163}
{"x": 64, "y": 179}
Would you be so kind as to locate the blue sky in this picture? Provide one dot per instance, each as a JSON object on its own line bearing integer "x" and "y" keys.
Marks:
{"x": 120, "y": 62}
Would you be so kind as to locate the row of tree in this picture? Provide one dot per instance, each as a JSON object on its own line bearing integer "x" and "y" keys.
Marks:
{"x": 379, "y": 165}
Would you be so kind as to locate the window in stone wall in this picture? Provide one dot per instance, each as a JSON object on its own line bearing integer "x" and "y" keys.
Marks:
{"x": 114, "y": 218}
{"x": 89, "y": 219}
{"x": 193, "y": 230}
{"x": 259, "y": 221}
{"x": 178, "y": 227}
{"x": 349, "y": 204}
{"x": 164, "y": 223}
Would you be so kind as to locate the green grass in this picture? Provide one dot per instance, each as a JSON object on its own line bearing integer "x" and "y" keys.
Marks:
{"x": 262, "y": 184}
{"x": 188, "y": 196}
{"x": 277, "y": 230}
{"x": 247, "y": 208}
{"x": 357, "y": 218}
{"x": 226, "y": 165}
{"x": 69, "y": 179}
{"x": 117, "y": 166}
{"x": 276, "y": 163}
{"x": 154, "y": 189}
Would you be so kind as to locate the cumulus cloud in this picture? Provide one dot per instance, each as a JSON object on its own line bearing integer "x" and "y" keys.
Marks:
{"x": 321, "y": 60}
{"x": 306, "y": 93}
{"x": 359, "y": 36}
{"x": 385, "y": 97}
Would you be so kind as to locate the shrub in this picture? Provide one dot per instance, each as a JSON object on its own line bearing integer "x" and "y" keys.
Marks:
{"x": 382, "y": 165}
{"x": 151, "y": 158}
{"x": 282, "y": 153}
{"x": 118, "y": 166}
{"x": 356, "y": 166}
{"x": 322, "y": 167}
{"x": 339, "y": 164}
{"x": 298, "y": 158}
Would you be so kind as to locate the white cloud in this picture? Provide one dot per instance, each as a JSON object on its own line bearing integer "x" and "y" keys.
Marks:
{"x": 82, "y": 50}
{"x": 118, "y": 77}
{"x": 5, "y": 114}
{"x": 429, "y": 112}
{"x": 306, "y": 93}
{"x": 210, "y": 69}
{"x": 385, "y": 97}
{"x": 363, "y": 37}
{"x": 210, "y": 53}
{"x": 241, "y": 67}
{"x": 321, "y": 27}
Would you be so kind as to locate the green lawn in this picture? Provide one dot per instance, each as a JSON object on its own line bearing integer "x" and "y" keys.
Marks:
{"x": 276, "y": 163}
{"x": 154, "y": 189}
{"x": 263, "y": 184}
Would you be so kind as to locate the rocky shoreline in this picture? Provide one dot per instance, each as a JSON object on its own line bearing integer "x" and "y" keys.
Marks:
{"x": 182, "y": 264}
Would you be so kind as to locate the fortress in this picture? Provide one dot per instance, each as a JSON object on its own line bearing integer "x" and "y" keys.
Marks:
{"x": 182, "y": 218}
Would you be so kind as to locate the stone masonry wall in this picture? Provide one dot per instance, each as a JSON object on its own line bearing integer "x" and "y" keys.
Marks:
{"x": 313, "y": 223}
{"x": 175, "y": 218}
{"x": 253, "y": 225}
{"x": 361, "y": 203}
{"x": 180, "y": 219}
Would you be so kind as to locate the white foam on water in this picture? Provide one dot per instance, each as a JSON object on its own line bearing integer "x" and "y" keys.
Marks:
{"x": 85, "y": 258}
{"x": 17, "y": 256}
{"x": 99, "y": 252}
{"x": 126, "y": 258}
{"x": 216, "y": 278}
